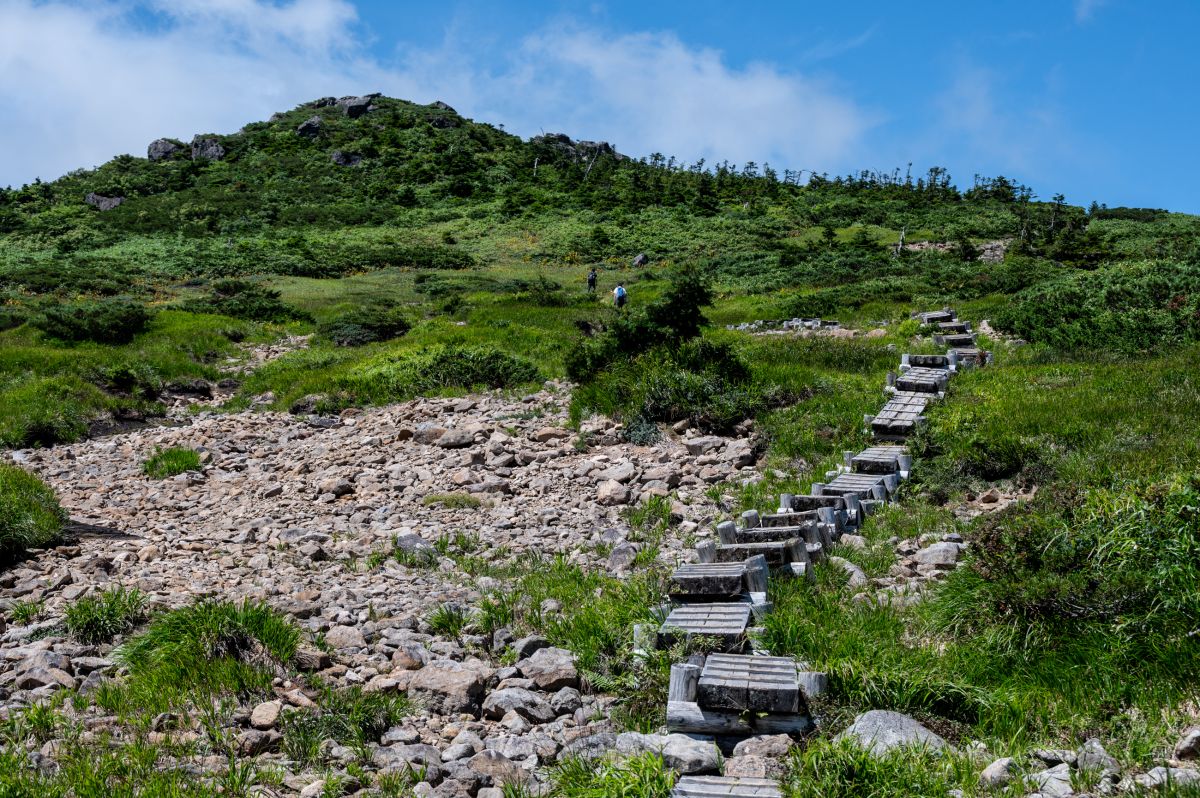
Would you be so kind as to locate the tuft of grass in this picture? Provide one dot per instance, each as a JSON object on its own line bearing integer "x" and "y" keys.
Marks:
{"x": 24, "y": 612}
{"x": 171, "y": 462}
{"x": 643, "y": 776}
{"x": 452, "y": 501}
{"x": 98, "y": 619}
{"x": 448, "y": 620}
{"x": 833, "y": 769}
{"x": 349, "y": 717}
{"x": 206, "y": 649}
{"x": 30, "y": 515}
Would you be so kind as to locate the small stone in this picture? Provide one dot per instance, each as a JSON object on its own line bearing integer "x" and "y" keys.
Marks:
{"x": 612, "y": 493}
{"x": 1055, "y": 781}
{"x": 345, "y": 637}
{"x": 1188, "y": 746}
{"x": 764, "y": 745}
{"x": 266, "y": 715}
{"x": 551, "y": 669}
{"x": 880, "y": 731}
{"x": 998, "y": 773}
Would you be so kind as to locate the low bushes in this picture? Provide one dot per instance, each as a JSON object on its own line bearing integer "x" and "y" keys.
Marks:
{"x": 245, "y": 300}
{"x": 108, "y": 321}
{"x": 704, "y": 383}
{"x": 365, "y": 326}
{"x": 395, "y": 377}
{"x": 30, "y": 515}
{"x": 1128, "y": 307}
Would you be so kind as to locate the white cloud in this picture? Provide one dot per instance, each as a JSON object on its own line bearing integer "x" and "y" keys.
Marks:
{"x": 82, "y": 82}
{"x": 1086, "y": 9}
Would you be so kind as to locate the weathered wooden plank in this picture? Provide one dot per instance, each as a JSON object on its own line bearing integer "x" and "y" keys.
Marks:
{"x": 878, "y": 460}
{"x": 777, "y": 552}
{"x": 726, "y": 580}
{"x": 920, "y": 379}
{"x": 687, "y": 717}
{"x": 725, "y": 787}
{"x": 726, "y": 621}
{"x": 739, "y": 682}
{"x": 936, "y": 316}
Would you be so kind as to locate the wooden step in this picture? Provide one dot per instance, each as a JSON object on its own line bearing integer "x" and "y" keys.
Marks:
{"x": 921, "y": 379}
{"x": 926, "y": 361}
{"x": 726, "y": 621}
{"x": 936, "y": 316}
{"x": 900, "y": 416}
{"x": 955, "y": 339}
{"x": 725, "y": 787}
{"x": 726, "y": 581}
{"x": 766, "y": 534}
{"x": 758, "y": 684}
{"x": 860, "y": 485}
{"x": 949, "y": 327}
{"x": 878, "y": 460}
{"x": 777, "y": 552}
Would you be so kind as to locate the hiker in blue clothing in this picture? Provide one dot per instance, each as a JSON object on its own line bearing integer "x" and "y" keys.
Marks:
{"x": 619, "y": 295}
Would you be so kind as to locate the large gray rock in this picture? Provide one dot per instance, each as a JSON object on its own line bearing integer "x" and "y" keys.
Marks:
{"x": 551, "y": 669}
{"x": 499, "y": 768}
{"x": 447, "y": 687}
{"x": 103, "y": 203}
{"x": 310, "y": 128}
{"x": 764, "y": 745}
{"x": 612, "y": 493}
{"x": 207, "y": 148}
{"x": 161, "y": 149}
{"x": 1161, "y": 776}
{"x": 456, "y": 439}
{"x": 998, "y": 773}
{"x": 940, "y": 554}
{"x": 880, "y": 731}
{"x": 1188, "y": 746}
{"x": 1055, "y": 781}
{"x": 355, "y": 107}
{"x": 681, "y": 753}
{"x": 345, "y": 637}
{"x": 1093, "y": 757}
{"x": 525, "y": 703}
{"x": 342, "y": 158}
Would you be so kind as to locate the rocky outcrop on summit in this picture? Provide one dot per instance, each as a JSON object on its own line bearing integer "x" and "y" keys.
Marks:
{"x": 161, "y": 149}
{"x": 355, "y": 107}
{"x": 577, "y": 150}
{"x": 101, "y": 202}
{"x": 207, "y": 148}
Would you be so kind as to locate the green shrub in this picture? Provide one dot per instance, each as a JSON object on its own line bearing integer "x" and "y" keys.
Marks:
{"x": 365, "y": 326}
{"x": 843, "y": 769}
{"x": 643, "y": 776}
{"x": 170, "y": 462}
{"x": 704, "y": 383}
{"x": 98, "y": 619}
{"x": 30, "y": 515}
{"x": 1128, "y": 307}
{"x": 245, "y": 300}
{"x": 394, "y": 377}
{"x": 109, "y": 321}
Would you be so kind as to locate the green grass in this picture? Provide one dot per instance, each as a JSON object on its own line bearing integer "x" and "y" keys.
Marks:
{"x": 100, "y": 618}
{"x": 452, "y": 501}
{"x": 30, "y": 515}
{"x": 347, "y": 716}
{"x": 206, "y": 649}
{"x": 24, "y": 612}
{"x": 170, "y": 462}
{"x": 641, "y": 776}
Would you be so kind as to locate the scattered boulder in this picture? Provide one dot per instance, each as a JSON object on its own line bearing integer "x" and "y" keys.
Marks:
{"x": 456, "y": 439}
{"x": 355, "y": 107}
{"x": 448, "y": 687}
{"x": 345, "y": 637}
{"x": 1162, "y": 776}
{"x": 998, "y": 773}
{"x": 525, "y": 703}
{"x": 207, "y": 148}
{"x": 345, "y": 158}
{"x": 611, "y": 493}
{"x": 880, "y": 731}
{"x": 266, "y": 715}
{"x": 161, "y": 149}
{"x": 683, "y": 754}
{"x": 1093, "y": 757}
{"x": 1055, "y": 781}
{"x": 764, "y": 745}
{"x": 103, "y": 203}
{"x": 550, "y": 669}
{"x": 1188, "y": 746}
{"x": 311, "y": 128}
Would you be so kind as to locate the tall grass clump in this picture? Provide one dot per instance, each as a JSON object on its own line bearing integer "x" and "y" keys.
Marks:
{"x": 642, "y": 776}
{"x": 207, "y": 648}
{"x": 30, "y": 515}
{"x": 171, "y": 462}
{"x": 348, "y": 716}
{"x": 100, "y": 618}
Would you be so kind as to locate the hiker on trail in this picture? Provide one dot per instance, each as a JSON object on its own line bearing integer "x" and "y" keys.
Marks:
{"x": 619, "y": 295}
{"x": 592, "y": 281}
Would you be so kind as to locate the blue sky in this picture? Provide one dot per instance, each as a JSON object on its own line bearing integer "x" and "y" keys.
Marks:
{"x": 1093, "y": 98}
